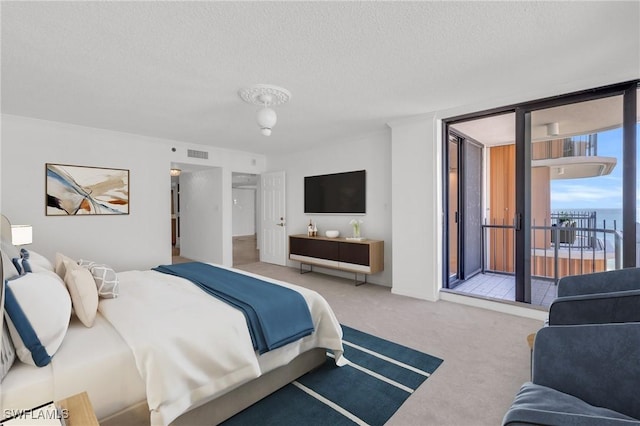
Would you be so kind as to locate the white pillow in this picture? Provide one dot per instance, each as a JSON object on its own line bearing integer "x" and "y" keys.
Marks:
{"x": 38, "y": 310}
{"x": 106, "y": 279}
{"x": 38, "y": 262}
{"x": 83, "y": 291}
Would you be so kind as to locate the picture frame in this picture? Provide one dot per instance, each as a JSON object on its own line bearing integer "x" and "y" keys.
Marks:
{"x": 72, "y": 190}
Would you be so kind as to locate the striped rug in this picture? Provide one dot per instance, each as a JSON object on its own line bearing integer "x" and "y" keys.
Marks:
{"x": 380, "y": 377}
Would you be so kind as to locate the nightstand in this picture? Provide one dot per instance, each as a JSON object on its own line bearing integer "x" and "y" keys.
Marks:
{"x": 79, "y": 410}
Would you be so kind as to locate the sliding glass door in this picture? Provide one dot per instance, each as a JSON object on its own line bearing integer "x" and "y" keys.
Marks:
{"x": 538, "y": 191}
{"x": 465, "y": 172}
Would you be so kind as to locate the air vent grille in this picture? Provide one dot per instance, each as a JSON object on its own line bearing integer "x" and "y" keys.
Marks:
{"x": 197, "y": 154}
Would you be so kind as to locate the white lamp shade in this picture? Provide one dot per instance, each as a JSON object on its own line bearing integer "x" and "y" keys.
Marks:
{"x": 21, "y": 235}
{"x": 267, "y": 119}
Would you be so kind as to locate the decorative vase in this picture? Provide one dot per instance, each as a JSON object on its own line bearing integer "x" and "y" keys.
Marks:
{"x": 356, "y": 230}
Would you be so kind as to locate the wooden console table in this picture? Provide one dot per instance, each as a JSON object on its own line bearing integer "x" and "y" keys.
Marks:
{"x": 357, "y": 256}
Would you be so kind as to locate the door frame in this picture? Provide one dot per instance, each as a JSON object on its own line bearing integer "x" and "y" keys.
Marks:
{"x": 523, "y": 173}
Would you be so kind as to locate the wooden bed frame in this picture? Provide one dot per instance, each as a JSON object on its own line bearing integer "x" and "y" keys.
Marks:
{"x": 231, "y": 403}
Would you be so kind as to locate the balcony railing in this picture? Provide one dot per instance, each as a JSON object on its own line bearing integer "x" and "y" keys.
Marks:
{"x": 557, "y": 251}
{"x": 576, "y": 146}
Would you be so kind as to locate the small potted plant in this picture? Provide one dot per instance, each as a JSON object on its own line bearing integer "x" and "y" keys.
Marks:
{"x": 565, "y": 236}
{"x": 355, "y": 223}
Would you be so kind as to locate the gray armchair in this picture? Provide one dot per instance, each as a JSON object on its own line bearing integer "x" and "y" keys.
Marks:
{"x": 582, "y": 375}
{"x": 598, "y": 298}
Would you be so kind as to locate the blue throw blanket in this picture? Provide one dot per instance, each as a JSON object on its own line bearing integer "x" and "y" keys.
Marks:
{"x": 275, "y": 315}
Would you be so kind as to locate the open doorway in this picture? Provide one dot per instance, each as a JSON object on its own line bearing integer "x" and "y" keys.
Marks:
{"x": 175, "y": 217}
{"x": 244, "y": 192}
{"x": 199, "y": 199}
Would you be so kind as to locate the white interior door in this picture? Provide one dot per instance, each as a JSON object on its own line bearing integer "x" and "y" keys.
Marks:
{"x": 272, "y": 218}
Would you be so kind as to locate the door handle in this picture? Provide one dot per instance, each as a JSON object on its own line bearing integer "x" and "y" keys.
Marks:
{"x": 281, "y": 222}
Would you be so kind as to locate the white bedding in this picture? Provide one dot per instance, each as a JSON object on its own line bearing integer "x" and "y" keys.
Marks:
{"x": 101, "y": 361}
{"x": 95, "y": 360}
{"x": 190, "y": 347}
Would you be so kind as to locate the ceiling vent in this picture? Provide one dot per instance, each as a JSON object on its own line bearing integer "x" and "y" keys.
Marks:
{"x": 197, "y": 154}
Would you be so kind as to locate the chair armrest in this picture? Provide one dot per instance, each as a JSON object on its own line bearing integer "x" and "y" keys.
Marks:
{"x": 595, "y": 363}
{"x": 599, "y": 308}
{"x": 600, "y": 282}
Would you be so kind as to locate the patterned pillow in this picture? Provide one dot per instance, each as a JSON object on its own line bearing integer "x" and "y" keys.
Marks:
{"x": 106, "y": 279}
{"x": 38, "y": 309}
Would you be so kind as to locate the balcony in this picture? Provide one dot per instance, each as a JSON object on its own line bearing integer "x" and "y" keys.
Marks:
{"x": 569, "y": 244}
{"x": 572, "y": 158}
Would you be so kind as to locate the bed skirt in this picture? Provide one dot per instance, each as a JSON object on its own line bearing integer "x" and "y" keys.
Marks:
{"x": 231, "y": 403}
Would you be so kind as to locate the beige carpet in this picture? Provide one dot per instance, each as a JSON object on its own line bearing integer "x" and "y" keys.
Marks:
{"x": 486, "y": 357}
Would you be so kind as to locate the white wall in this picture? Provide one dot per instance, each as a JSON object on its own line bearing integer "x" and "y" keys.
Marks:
{"x": 371, "y": 153}
{"x": 244, "y": 211}
{"x": 201, "y": 215}
{"x": 139, "y": 240}
{"x": 415, "y": 209}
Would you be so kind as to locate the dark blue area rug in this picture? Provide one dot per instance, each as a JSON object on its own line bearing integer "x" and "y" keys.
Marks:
{"x": 380, "y": 377}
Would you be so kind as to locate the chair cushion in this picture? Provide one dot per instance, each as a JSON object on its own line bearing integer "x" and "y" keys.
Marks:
{"x": 540, "y": 405}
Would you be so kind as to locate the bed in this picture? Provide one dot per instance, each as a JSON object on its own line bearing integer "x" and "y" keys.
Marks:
{"x": 149, "y": 356}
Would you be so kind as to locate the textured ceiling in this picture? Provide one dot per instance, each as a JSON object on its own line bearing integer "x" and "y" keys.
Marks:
{"x": 173, "y": 69}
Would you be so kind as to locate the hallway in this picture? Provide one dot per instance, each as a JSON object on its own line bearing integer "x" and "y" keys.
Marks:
{"x": 244, "y": 251}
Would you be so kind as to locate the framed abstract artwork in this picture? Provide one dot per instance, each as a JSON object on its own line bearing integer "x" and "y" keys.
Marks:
{"x": 81, "y": 190}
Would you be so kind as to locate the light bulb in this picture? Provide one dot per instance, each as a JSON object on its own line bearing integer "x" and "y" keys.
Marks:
{"x": 266, "y": 120}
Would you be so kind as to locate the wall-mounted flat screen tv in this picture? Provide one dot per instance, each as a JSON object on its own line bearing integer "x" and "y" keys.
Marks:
{"x": 338, "y": 193}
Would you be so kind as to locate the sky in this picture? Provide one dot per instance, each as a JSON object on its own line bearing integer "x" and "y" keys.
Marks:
{"x": 596, "y": 192}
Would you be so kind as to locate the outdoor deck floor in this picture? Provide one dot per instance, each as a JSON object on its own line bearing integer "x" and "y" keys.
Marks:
{"x": 499, "y": 286}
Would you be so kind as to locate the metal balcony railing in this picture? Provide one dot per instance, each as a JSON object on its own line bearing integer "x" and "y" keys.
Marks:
{"x": 557, "y": 251}
{"x": 576, "y": 146}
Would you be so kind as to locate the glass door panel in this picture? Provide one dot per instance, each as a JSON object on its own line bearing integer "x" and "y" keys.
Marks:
{"x": 576, "y": 192}
{"x": 453, "y": 169}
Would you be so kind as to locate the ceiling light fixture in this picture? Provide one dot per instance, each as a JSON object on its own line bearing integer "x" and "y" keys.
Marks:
{"x": 175, "y": 172}
{"x": 553, "y": 129}
{"x": 266, "y": 96}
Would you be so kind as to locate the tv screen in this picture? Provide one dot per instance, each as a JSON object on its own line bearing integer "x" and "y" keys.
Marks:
{"x": 336, "y": 193}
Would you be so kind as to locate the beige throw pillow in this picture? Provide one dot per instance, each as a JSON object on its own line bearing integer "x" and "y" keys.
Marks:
{"x": 59, "y": 266}
{"x": 83, "y": 291}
